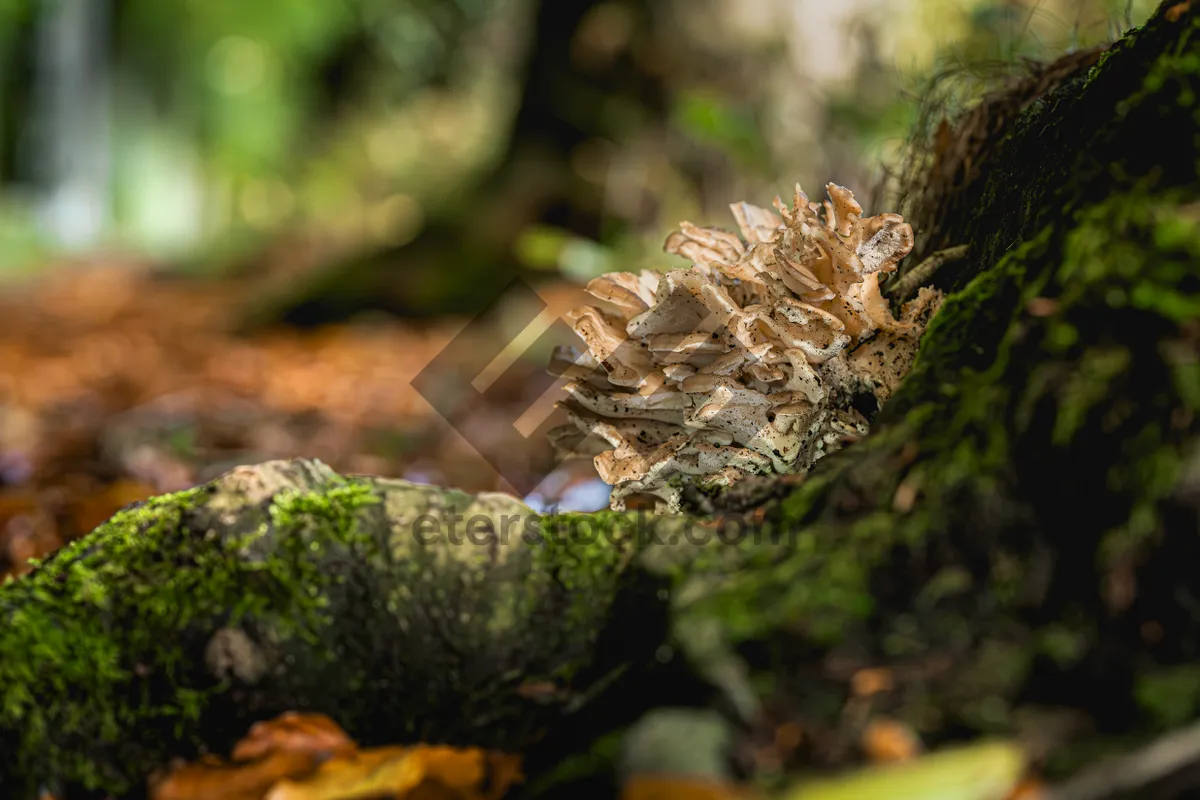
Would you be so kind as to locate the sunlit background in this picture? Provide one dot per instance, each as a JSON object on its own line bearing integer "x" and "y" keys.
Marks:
{"x": 235, "y": 230}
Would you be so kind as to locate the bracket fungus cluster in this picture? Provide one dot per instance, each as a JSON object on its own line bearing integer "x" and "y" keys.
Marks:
{"x": 756, "y": 359}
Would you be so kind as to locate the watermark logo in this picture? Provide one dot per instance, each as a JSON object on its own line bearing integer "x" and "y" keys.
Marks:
{"x": 450, "y": 382}
{"x": 458, "y": 530}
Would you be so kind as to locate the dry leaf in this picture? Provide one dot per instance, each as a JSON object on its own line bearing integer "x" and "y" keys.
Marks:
{"x": 425, "y": 772}
{"x": 386, "y": 771}
{"x": 867, "y": 682}
{"x": 314, "y": 734}
{"x": 308, "y": 757}
{"x": 1029, "y": 789}
{"x": 211, "y": 779}
{"x": 652, "y": 787}
{"x": 887, "y": 741}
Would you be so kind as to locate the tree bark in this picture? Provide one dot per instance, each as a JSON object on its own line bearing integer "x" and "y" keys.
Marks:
{"x": 1016, "y": 540}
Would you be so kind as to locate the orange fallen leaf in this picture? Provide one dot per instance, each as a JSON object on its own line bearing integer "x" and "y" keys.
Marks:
{"x": 383, "y": 771}
{"x": 889, "y": 741}
{"x": 1178, "y": 10}
{"x": 425, "y": 772}
{"x": 466, "y": 771}
{"x": 210, "y": 779}
{"x": 1028, "y": 789}
{"x": 308, "y": 757}
{"x": 314, "y": 734}
{"x": 867, "y": 682}
{"x": 655, "y": 787}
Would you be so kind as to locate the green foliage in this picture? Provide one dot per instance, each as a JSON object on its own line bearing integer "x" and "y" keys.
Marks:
{"x": 717, "y": 120}
{"x": 1172, "y": 694}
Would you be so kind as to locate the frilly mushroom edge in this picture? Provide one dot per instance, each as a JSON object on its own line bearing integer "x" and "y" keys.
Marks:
{"x": 750, "y": 361}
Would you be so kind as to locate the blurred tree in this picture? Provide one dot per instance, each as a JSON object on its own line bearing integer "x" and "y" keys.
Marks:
{"x": 414, "y": 143}
{"x": 70, "y": 120}
{"x": 583, "y": 83}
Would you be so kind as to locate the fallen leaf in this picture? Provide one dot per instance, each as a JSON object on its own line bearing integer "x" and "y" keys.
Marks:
{"x": 871, "y": 681}
{"x": 424, "y": 772}
{"x": 211, "y": 779}
{"x": 654, "y": 787}
{"x": 384, "y": 771}
{"x": 1028, "y": 789}
{"x": 314, "y": 734}
{"x": 986, "y": 771}
{"x": 300, "y": 756}
{"x": 887, "y": 741}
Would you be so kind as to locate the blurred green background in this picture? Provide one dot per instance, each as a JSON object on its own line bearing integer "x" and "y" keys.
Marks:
{"x": 444, "y": 144}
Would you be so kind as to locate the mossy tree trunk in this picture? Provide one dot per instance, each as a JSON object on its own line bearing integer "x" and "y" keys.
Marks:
{"x": 1018, "y": 538}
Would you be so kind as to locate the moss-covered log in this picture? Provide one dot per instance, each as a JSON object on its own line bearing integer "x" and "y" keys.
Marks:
{"x": 407, "y": 612}
{"x": 1017, "y": 538}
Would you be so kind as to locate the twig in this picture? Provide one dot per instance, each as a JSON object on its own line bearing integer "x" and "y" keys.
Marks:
{"x": 909, "y": 282}
{"x": 1166, "y": 756}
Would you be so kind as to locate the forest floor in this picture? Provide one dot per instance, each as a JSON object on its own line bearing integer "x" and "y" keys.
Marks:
{"x": 118, "y": 383}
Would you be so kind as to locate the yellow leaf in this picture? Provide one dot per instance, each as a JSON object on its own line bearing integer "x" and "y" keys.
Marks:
{"x": 294, "y": 732}
{"x": 308, "y": 757}
{"x": 211, "y": 779}
{"x": 987, "y": 771}
{"x": 388, "y": 771}
{"x": 413, "y": 773}
{"x": 886, "y": 741}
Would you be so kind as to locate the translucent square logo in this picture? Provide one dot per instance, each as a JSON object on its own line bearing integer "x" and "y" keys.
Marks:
{"x": 449, "y": 381}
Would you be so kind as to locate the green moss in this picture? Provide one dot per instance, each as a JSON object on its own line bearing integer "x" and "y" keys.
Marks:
{"x": 307, "y": 524}
{"x": 102, "y": 628}
{"x": 1063, "y": 643}
{"x": 989, "y": 681}
{"x": 57, "y": 620}
{"x": 946, "y": 583}
{"x": 992, "y": 384}
{"x": 582, "y": 552}
{"x": 965, "y": 333}
{"x": 1171, "y": 695}
{"x": 1086, "y": 387}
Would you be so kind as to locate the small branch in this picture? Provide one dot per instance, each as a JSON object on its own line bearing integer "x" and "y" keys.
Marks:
{"x": 907, "y": 284}
{"x": 1166, "y": 756}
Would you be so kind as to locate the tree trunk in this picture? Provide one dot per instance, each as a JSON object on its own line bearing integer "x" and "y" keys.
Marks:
{"x": 1016, "y": 539}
